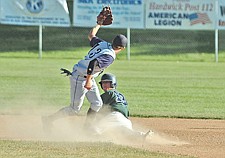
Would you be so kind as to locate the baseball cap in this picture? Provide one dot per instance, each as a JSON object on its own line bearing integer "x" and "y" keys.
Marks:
{"x": 120, "y": 40}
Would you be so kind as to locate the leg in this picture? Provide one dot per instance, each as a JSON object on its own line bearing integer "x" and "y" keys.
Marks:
{"x": 90, "y": 118}
{"x": 95, "y": 100}
{"x": 77, "y": 93}
{"x": 94, "y": 97}
{"x": 121, "y": 127}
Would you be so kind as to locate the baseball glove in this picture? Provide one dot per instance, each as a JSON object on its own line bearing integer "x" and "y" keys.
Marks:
{"x": 65, "y": 71}
{"x": 105, "y": 16}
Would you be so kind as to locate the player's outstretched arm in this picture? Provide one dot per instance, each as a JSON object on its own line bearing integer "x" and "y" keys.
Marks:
{"x": 104, "y": 18}
{"x": 93, "y": 31}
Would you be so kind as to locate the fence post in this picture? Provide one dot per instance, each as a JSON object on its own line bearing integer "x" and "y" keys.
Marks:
{"x": 40, "y": 41}
{"x": 128, "y": 43}
{"x": 216, "y": 45}
{"x": 216, "y": 32}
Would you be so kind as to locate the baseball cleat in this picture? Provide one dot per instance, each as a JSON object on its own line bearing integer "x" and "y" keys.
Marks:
{"x": 149, "y": 133}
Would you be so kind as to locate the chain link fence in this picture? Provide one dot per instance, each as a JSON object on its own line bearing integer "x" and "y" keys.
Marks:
{"x": 25, "y": 38}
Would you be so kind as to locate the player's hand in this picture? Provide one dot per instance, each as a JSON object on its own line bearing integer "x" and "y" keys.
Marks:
{"x": 88, "y": 84}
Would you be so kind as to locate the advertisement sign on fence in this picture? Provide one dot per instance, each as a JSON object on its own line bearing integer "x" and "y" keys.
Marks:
{"x": 221, "y": 15}
{"x": 129, "y": 13}
{"x": 180, "y": 14}
{"x": 34, "y": 12}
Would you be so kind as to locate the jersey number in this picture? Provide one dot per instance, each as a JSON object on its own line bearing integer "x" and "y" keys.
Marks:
{"x": 94, "y": 50}
{"x": 120, "y": 98}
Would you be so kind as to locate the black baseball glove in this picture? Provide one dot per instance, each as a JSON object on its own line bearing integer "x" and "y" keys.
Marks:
{"x": 65, "y": 71}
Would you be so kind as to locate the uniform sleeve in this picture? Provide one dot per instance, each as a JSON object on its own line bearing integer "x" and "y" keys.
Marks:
{"x": 95, "y": 40}
{"x": 105, "y": 60}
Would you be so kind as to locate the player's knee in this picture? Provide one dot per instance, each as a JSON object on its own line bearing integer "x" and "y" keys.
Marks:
{"x": 96, "y": 106}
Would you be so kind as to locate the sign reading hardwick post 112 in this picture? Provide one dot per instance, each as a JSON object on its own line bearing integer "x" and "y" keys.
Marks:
{"x": 34, "y": 12}
{"x": 180, "y": 14}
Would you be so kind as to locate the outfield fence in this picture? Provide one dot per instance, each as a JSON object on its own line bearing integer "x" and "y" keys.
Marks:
{"x": 155, "y": 42}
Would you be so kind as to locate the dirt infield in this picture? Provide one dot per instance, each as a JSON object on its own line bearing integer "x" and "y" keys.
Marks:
{"x": 198, "y": 138}
{"x": 205, "y": 138}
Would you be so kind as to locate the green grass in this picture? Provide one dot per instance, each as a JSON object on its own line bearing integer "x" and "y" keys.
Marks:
{"x": 174, "y": 88}
{"x": 24, "y": 149}
{"x": 154, "y": 85}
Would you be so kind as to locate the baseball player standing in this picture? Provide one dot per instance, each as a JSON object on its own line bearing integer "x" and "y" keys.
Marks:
{"x": 82, "y": 82}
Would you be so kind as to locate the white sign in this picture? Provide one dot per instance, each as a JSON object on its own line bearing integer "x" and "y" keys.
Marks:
{"x": 34, "y": 12}
{"x": 221, "y": 15}
{"x": 180, "y": 14}
{"x": 127, "y": 13}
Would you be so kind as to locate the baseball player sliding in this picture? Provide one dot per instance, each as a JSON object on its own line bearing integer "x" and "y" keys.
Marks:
{"x": 113, "y": 116}
{"x": 82, "y": 82}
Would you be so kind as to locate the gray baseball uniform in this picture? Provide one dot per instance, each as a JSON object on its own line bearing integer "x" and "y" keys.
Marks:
{"x": 103, "y": 53}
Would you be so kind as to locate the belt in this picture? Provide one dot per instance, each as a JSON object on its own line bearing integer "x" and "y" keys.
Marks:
{"x": 82, "y": 76}
{"x": 86, "y": 77}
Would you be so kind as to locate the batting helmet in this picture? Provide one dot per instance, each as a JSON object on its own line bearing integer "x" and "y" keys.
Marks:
{"x": 109, "y": 77}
